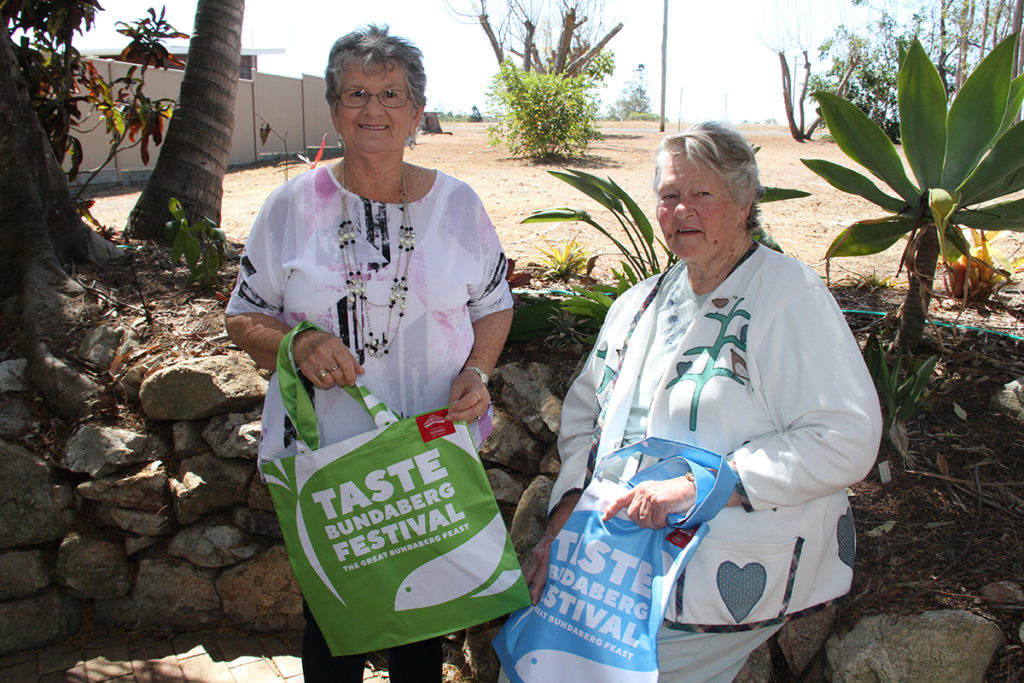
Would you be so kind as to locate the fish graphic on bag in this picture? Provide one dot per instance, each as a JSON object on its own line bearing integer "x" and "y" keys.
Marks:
{"x": 459, "y": 571}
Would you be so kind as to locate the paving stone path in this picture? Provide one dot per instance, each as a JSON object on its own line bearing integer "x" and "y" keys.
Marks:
{"x": 200, "y": 657}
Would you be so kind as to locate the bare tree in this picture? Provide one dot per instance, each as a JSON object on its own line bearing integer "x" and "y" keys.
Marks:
{"x": 791, "y": 39}
{"x": 546, "y": 36}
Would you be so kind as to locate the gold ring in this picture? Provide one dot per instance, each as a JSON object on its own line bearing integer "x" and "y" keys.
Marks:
{"x": 334, "y": 368}
{"x": 322, "y": 373}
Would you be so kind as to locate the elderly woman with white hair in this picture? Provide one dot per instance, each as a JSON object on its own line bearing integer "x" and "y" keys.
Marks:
{"x": 742, "y": 351}
{"x": 398, "y": 266}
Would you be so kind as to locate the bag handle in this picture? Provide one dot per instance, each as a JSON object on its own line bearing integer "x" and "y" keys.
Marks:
{"x": 297, "y": 402}
{"x": 714, "y": 480}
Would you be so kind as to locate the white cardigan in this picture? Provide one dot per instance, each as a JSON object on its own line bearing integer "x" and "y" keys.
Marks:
{"x": 769, "y": 373}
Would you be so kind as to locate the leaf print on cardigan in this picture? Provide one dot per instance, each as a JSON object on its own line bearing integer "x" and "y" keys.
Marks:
{"x": 737, "y": 371}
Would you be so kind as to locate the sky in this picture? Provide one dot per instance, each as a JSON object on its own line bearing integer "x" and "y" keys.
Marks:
{"x": 720, "y": 64}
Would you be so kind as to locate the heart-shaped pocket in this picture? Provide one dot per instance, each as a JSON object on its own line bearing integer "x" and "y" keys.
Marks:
{"x": 741, "y": 588}
{"x": 847, "y": 538}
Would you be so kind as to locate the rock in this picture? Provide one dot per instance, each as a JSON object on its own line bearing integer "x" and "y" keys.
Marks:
{"x": 236, "y": 435}
{"x": 16, "y": 418}
{"x": 531, "y": 517}
{"x": 801, "y": 639}
{"x": 33, "y": 509}
{"x": 42, "y": 619}
{"x": 145, "y": 489}
{"x": 139, "y": 522}
{"x": 12, "y": 375}
{"x": 100, "y": 345}
{"x": 213, "y": 543}
{"x": 945, "y": 645}
{"x": 258, "y": 495}
{"x": 100, "y": 451}
{"x": 261, "y": 594}
{"x": 133, "y": 543}
{"x": 525, "y": 390}
{"x": 479, "y": 652}
{"x": 551, "y": 463}
{"x": 91, "y": 566}
{"x": 510, "y": 445}
{"x": 1011, "y": 399}
{"x": 205, "y": 483}
{"x": 168, "y": 594}
{"x": 22, "y": 573}
{"x": 1003, "y": 591}
{"x": 202, "y": 387}
{"x": 256, "y": 521}
{"x": 188, "y": 436}
{"x": 506, "y": 489}
{"x": 758, "y": 667}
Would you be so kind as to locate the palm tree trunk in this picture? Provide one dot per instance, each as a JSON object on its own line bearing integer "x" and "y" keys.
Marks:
{"x": 194, "y": 157}
{"x": 921, "y": 276}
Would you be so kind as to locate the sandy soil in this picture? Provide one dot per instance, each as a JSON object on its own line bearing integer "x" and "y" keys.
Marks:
{"x": 513, "y": 188}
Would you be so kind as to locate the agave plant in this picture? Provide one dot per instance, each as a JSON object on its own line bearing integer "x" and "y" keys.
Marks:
{"x": 963, "y": 154}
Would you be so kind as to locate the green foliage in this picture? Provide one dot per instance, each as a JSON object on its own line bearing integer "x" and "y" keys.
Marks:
{"x": 904, "y": 393}
{"x": 641, "y": 251}
{"x": 871, "y": 86}
{"x": 64, "y": 88}
{"x": 641, "y": 255}
{"x": 564, "y": 261}
{"x": 962, "y": 154}
{"x": 475, "y": 116}
{"x": 634, "y": 99}
{"x": 566, "y": 330}
{"x": 546, "y": 115}
{"x": 201, "y": 243}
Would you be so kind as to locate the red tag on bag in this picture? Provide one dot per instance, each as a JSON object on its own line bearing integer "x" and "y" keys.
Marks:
{"x": 433, "y": 425}
{"x": 680, "y": 537}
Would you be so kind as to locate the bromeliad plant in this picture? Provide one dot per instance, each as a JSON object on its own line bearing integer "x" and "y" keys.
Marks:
{"x": 963, "y": 154}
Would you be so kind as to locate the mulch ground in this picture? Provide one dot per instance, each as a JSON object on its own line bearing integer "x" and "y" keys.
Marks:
{"x": 947, "y": 524}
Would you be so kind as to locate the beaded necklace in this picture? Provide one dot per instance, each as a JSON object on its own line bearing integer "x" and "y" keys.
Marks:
{"x": 375, "y": 343}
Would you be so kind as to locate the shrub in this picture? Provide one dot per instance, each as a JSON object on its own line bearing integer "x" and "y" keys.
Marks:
{"x": 545, "y": 115}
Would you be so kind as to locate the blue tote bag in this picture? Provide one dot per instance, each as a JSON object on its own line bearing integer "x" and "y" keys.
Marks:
{"x": 609, "y": 582}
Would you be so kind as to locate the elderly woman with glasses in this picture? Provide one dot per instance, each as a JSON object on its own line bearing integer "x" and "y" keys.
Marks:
{"x": 400, "y": 268}
{"x": 743, "y": 351}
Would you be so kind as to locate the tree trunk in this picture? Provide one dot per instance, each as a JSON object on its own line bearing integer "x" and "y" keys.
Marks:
{"x": 39, "y": 231}
{"x": 194, "y": 156}
{"x": 787, "y": 98}
{"x": 920, "y": 277}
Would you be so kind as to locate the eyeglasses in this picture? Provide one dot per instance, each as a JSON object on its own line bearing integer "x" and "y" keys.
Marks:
{"x": 357, "y": 97}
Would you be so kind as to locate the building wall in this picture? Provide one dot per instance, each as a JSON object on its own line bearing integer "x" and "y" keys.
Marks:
{"x": 294, "y": 108}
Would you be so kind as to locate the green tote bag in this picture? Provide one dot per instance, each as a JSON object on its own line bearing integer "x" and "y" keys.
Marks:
{"x": 394, "y": 535}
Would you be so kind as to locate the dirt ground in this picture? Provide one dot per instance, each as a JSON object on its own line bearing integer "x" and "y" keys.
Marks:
{"x": 947, "y": 526}
{"x": 511, "y": 189}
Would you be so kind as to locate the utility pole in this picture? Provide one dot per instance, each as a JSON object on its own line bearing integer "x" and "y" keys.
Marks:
{"x": 664, "y": 66}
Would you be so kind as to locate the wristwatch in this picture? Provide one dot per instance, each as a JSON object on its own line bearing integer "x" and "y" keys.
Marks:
{"x": 479, "y": 373}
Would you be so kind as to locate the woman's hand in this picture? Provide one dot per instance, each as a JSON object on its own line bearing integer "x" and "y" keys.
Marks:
{"x": 324, "y": 359}
{"x": 535, "y": 569}
{"x": 468, "y": 397}
{"x": 650, "y": 503}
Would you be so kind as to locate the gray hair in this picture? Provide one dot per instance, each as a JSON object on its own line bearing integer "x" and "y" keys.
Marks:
{"x": 371, "y": 47}
{"x": 724, "y": 151}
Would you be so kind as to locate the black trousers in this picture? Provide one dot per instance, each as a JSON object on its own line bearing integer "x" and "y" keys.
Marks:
{"x": 413, "y": 663}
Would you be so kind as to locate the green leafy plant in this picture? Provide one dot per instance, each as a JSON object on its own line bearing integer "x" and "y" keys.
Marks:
{"x": 200, "y": 242}
{"x": 963, "y": 154}
{"x": 643, "y": 254}
{"x": 546, "y": 115}
{"x": 904, "y": 394}
{"x": 566, "y": 330}
{"x": 564, "y": 261}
